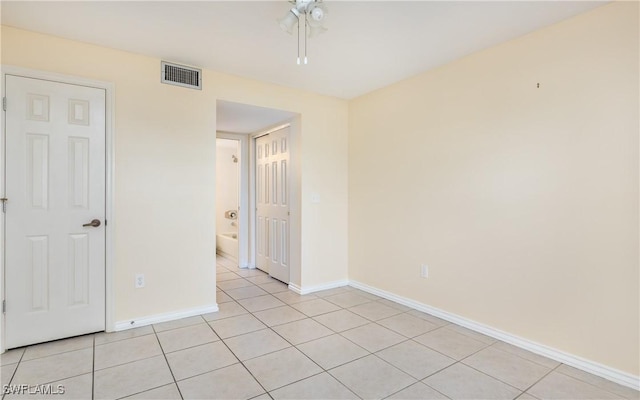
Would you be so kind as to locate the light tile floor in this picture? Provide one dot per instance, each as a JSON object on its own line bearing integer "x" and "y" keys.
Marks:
{"x": 269, "y": 342}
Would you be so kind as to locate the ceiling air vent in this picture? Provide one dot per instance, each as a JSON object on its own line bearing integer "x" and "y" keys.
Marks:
{"x": 179, "y": 75}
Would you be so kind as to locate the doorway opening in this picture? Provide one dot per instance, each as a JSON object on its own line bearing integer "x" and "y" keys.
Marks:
{"x": 238, "y": 127}
{"x": 227, "y": 197}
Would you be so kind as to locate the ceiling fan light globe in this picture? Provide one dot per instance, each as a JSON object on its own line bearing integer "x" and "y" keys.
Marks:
{"x": 317, "y": 14}
{"x": 289, "y": 21}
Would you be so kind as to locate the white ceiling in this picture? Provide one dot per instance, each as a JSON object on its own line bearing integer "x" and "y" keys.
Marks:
{"x": 244, "y": 118}
{"x": 368, "y": 45}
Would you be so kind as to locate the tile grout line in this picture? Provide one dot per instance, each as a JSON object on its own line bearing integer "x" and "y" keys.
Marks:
{"x": 454, "y": 363}
{"x": 14, "y": 371}
{"x": 405, "y": 372}
{"x": 591, "y": 384}
{"x": 20, "y": 362}
{"x": 58, "y": 353}
{"x": 493, "y": 377}
{"x": 240, "y": 361}
{"x": 64, "y": 378}
{"x": 120, "y": 340}
{"x": 432, "y": 388}
{"x": 342, "y": 383}
{"x": 166, "y": 360}
{"x": 415, "y": 383}
{"x": 538, "y": 381}
{"x": 485, "y": 373}
{"x": 532, "y": 385}
{"x": 131, "y": 361}
{"x": 523, "y": 358}
{"x": 234, "y": 354}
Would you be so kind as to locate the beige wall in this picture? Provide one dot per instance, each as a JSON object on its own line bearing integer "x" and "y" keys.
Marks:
{"x": 523, "y": 201}
{"x": 165, "y": 171}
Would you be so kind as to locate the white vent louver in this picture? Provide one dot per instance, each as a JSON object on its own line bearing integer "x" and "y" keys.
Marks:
{"x": 179, "y": 75}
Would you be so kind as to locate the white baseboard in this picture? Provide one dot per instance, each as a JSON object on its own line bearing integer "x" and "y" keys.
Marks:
{"x": 164, "y": 317}
{"x": 589, "y": 366}
{"x": 317, "y": 288}
{"x": 295, "y": 288}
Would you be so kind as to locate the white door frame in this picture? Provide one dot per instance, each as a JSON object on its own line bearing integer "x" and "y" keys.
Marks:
{"x": 244, "y": 239}
{"x": 110, "y": 181}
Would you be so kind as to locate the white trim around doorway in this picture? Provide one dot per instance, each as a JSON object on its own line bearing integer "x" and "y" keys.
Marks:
{"x": 110, "y": 180}
{"x": 244, "y": 239}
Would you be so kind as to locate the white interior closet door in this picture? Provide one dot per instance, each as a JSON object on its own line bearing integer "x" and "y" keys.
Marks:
{"x": 272, "y": 200}
{"x": 55, "y": 185}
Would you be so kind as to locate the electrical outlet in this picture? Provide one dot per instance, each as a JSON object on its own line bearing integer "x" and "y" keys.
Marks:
{"x": 139, "y": 281}
{"x": 424, "y": 271}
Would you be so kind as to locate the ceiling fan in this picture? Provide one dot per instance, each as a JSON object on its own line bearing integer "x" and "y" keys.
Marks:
{"x": 313, "y": 14}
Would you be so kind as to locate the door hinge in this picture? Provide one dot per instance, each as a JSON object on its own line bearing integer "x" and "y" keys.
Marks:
{"x": 4, "y": 204}
{"x": 4, "y": 103}
{"x": 4, "y": 306}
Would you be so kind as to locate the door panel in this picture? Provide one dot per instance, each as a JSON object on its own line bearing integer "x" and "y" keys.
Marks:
{"x": 55, "y": 183}
{"x": 273, "y": 204}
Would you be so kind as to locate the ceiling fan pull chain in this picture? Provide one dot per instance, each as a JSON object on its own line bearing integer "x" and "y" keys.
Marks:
{"x": 298, "y": 41}
{"x": 306, "y": 23}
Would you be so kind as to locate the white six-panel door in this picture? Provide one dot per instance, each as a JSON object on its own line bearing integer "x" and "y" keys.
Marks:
{"x": 272, "y": 200}
{"x": 55, "y": 184}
